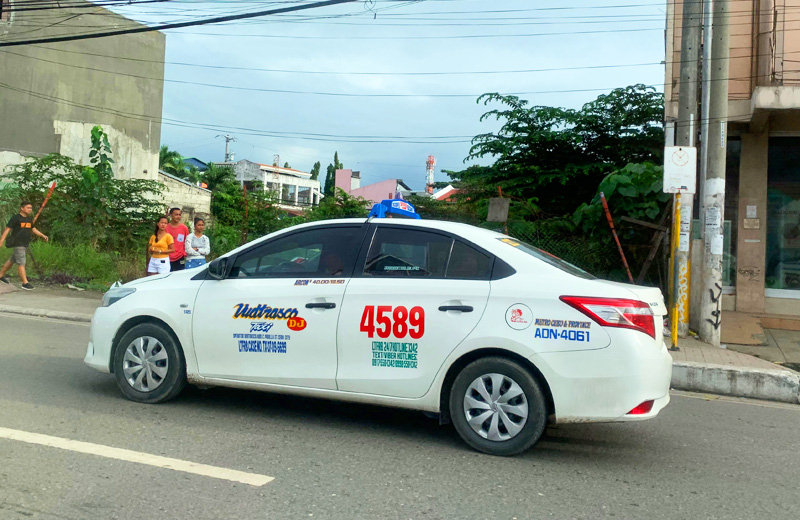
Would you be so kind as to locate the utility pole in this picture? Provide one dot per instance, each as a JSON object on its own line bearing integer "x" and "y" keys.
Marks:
{"x": 228, "y": 153}
{"x": 685, "y": 133}
{"x": 714, "y": 186}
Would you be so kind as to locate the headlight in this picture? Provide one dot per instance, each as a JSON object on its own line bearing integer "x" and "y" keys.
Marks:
{"x": 116, "y": 294}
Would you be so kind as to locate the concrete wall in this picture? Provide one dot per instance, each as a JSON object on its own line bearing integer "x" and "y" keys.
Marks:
{"x": 193, "y": 201}
{"x": 55, "y": 92}
{"x": 752, "y": 238}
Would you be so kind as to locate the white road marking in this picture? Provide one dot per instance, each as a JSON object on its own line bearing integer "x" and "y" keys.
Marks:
{"x": 252, "y": 479}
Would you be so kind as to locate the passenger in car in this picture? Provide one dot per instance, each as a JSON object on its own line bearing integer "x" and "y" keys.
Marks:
{"x": 330, "y": 264}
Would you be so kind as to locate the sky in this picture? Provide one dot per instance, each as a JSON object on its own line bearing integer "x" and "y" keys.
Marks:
{"x": 361, "y": 72}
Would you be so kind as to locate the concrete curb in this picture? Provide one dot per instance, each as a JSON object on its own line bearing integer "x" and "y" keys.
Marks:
{"x": 755, "y": 383}
{"x": 46, "y": 313}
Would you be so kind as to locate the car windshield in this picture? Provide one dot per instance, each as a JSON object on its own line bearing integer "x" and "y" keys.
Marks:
{"x": 547, "y": 258}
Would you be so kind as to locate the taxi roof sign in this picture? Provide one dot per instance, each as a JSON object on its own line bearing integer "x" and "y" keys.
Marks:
{"x": 393, "y": 207}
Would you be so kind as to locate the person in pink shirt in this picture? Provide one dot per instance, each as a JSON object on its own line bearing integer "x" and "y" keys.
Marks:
{"x": 179, "y": 232}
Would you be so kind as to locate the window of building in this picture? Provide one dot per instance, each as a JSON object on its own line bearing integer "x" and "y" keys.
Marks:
{"x": 304, "y": 196}
{"x": 327, "y": 252}
{"x": 5, "y": 10}
{"x": 783, "y": 214}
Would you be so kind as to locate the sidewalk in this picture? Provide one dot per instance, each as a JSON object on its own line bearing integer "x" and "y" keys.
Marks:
{"x": 697, "y": 367}
{"x": 64, "y": 304}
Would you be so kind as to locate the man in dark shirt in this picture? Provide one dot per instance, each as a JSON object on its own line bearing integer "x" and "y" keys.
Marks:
{"x": 21, "y": 231}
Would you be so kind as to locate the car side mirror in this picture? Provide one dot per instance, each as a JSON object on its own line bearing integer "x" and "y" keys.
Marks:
{"x": 218, "y": 269}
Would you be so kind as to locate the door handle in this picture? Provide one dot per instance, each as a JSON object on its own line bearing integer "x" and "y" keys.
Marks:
{"x": 321, "y": 305}
{"x": 459, "y": 308}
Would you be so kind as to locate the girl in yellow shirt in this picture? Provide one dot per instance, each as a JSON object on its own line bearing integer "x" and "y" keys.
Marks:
{"x": 159, "y": 247}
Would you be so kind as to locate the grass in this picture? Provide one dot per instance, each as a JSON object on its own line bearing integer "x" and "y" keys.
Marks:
{"x": 81, "y": 265}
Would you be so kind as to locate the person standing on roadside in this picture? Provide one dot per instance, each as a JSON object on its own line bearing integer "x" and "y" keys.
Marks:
{"x": 21, "y": 231}
{"x": 160, "y": 246}
{"x": 197, "y": 245}
{"x": 179, "y": 232}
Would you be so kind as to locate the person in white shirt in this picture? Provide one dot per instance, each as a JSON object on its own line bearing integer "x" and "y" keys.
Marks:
{"x": 197, "y": 245}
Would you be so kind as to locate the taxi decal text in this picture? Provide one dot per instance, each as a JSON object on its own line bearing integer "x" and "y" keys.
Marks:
{"x": 263, "y": 312}
{"x": 265, "y": 343}
{"x": 394, "y": 354}
{"x": 569, "y": 335}
{"x": 393, "y": 321}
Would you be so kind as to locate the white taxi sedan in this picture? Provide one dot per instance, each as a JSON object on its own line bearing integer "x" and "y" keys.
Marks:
{"x": 490, "y": 333}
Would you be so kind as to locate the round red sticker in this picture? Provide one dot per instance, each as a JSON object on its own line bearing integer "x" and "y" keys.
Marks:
{"x": 296, "y": 324}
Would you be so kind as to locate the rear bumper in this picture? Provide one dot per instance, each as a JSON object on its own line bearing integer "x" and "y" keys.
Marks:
{"x": 604, "y": 385}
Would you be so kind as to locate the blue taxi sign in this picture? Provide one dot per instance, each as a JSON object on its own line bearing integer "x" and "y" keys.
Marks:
{"x": 389, "y": 207}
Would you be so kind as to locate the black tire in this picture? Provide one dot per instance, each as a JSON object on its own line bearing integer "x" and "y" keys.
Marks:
{"x": 532, "y": 427}
{"x": 163, "y": 388}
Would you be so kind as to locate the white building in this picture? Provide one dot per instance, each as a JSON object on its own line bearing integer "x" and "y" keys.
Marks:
{"x": 295, "y": 190}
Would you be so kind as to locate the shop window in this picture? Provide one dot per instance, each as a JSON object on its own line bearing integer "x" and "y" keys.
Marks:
{"x": 783, "y": 214}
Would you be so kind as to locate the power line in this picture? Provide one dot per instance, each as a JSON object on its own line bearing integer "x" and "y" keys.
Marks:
{"x": 317, "y": 72}
{"x": 301, "y": 92}
{"x": 216, "y": 19}
{"x": 249, "y": 131}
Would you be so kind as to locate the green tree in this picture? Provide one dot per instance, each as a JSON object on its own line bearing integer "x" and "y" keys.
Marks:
{"x": 330, "y": 181}
{"x": 215, "y": 176}
{"x": 339, "y": 205}
{"x": 634, "y": 191}
{"x": 330, "y": 177}
{"x": 315, "y": 171}
{"x": 286, "y": 164}
{"x": 170, "y": 161}
{"x": 556, "y": 157}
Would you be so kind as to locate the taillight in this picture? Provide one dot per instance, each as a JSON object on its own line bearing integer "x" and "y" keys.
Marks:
{"x": 616, "y": 312}
{"x": 642, "y": 409}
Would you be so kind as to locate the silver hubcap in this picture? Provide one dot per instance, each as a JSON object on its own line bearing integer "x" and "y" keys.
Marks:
{"x": 145, "y": 364}
{"x": 496, "y": 407}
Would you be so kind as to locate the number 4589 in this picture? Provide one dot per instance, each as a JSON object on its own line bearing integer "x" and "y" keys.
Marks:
{"x": 397, "y": 321}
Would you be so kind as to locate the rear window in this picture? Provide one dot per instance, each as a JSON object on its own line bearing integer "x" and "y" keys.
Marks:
{"x": 547, "y": 258}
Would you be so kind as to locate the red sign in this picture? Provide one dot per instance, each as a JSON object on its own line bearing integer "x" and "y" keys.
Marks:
{"x": 296, "y": 324}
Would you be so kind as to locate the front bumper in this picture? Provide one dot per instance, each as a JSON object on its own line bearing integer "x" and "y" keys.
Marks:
{"x": 105, "y": 323}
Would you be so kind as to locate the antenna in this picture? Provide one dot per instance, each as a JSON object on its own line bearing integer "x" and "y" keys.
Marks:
{"x": 430, "y": 166}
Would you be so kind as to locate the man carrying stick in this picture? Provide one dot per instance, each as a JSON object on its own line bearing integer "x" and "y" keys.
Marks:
{"x": 21, "y": 229}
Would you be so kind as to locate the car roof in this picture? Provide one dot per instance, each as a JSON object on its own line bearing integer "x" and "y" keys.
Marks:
{"x": 485, "y": 238}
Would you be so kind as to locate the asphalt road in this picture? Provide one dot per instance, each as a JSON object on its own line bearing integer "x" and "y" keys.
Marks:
{"x": 701, "y": 458}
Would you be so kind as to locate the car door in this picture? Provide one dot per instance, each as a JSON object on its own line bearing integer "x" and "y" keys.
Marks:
{"x": 273, "y": 319}
{"x": 418, "y": 295}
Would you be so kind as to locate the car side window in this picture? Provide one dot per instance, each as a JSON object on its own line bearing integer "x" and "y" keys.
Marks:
{"x": 467, "y": 263}
{"x": 316, "y": 253}
{"x": 403, "y": 253}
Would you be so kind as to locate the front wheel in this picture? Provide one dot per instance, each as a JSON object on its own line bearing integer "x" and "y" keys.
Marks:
{"x": 497, "y": 407}
{"x": 149, "y": 365}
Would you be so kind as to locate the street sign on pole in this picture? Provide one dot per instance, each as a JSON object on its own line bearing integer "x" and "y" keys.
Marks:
{"x": 680, "y": 169}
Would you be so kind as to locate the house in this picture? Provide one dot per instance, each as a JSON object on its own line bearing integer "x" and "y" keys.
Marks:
{"x": 180, "y": 193}
{"x": 193, "y": 162}
{"x": 446, "y": 193}
{"x": 762, "y": 185}
{"x": 52, "y": 95}
{"x": 350, "y": 182}
{"x": 296, "y": 190}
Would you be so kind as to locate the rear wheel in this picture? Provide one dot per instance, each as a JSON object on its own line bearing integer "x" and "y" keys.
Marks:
{"x": 149, "y": 365}
{"x": 497, "y": 407}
